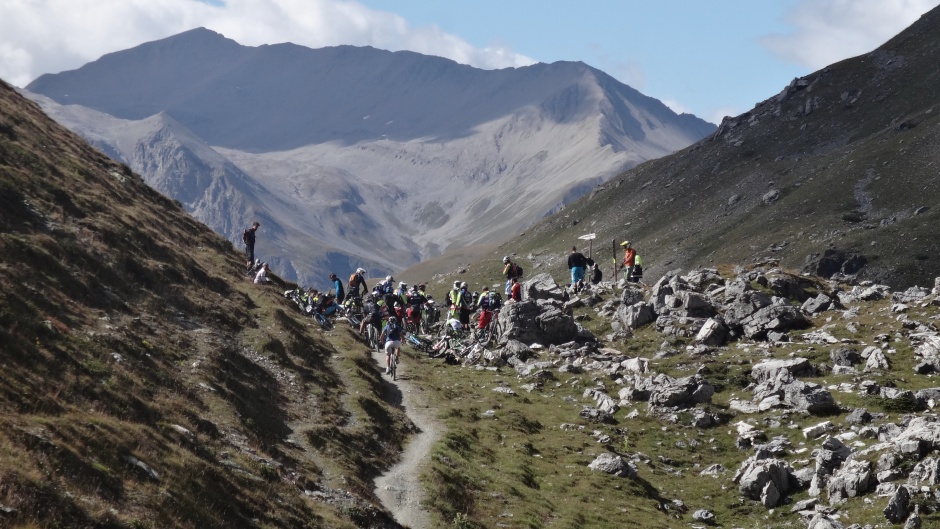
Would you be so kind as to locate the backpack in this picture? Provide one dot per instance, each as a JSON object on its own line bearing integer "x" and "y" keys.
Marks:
{"x": 495, "y": 300}
{"x": 245, "y": 236}
{"x": 517, "y": 269}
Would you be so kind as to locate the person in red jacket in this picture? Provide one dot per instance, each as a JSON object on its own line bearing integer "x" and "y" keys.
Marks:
{"x": 629, "y": 258}
{"x": 515, "y": 290}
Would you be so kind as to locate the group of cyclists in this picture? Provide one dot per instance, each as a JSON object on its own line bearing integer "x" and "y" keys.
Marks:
{"x": 394, "y": 311}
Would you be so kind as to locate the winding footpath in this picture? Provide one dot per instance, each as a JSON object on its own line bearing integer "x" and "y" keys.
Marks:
{"x": 400, "y": 489}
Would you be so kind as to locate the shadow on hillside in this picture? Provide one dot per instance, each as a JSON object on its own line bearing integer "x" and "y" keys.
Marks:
{"x": 255, "y": 393}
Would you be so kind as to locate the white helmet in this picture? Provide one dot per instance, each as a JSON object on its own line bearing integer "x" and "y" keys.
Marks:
{"x": 463, "y": 285}
{"x": 360, "y": 271}
{"x": 456, "y": 284}
{"x": 505, "y": 259}
{"x": 402, "y": 285}
{"x": 389, "y": 279}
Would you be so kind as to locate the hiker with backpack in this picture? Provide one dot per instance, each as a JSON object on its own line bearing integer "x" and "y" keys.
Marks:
{"x": 490, "y": 302}
{"x": 577, "y": 263}
{"x": 248, "y": 237}
{"x": 510, "y": 270}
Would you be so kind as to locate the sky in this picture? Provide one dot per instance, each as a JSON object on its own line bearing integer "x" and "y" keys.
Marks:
{"x": 711, "y": 58}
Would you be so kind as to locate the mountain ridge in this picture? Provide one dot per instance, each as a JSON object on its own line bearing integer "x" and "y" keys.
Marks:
{"x": 440, "y": 155}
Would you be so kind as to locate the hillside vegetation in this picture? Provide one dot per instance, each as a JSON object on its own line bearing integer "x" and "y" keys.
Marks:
{"x": 146, "y": 381}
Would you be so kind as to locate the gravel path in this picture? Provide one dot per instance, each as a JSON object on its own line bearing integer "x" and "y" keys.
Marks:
{"x": 400, "y": 488}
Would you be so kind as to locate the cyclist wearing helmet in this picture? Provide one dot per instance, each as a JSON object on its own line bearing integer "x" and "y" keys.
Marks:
{"x": 356, "y": 281}
{"x": 510, "y": 270}
{"x": 466, "y": 307}
{"x": 452, "y": 298}
{"x": 392, "y": 336}
{"x": 386, "y": 289}
{"x": 416, "y": 301}
{"x": 371, "y": 314}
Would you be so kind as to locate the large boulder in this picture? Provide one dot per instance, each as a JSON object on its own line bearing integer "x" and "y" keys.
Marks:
{"x": 714, "y": 332}
{"x": 532, "y": 321}
{"x": 614, "y": 465}
{"x": 636, "y": 315}
{"x": 853, "y": 479}
{"x": 777, "y": 317}
{"x": 743, "y": 303}
{"x": 754, "y": 475}
{"x": 768, "y": 370}
{"x": 683, "y": 391}
{"x": 543, "y": 286}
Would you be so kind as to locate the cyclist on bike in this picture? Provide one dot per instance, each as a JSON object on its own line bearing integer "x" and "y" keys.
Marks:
{"x": 357, "y": 281}
{"x": 392, "y": 336}
{"x": 386, "y": 289}
{"x": 372, "y": 315}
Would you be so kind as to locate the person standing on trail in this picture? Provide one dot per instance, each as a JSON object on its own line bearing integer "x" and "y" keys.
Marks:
{"x": 338, "y": 288}
{"x": 392, "y": 336}
{"x": 629, "y": 258}
{"x": 357, "y": 281}
{"x": 576, "y": 263}
{"x": 248, "y": 237}
{"x": 510, "y": 270}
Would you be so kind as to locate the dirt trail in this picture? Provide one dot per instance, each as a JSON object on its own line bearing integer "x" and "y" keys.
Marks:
{"x": 400, "y": 488}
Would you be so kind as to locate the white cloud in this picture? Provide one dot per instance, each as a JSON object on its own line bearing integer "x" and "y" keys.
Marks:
{"x": 676, "y": 106}
{"x": 827, "y": 31}
{"x": 43, "y": 36}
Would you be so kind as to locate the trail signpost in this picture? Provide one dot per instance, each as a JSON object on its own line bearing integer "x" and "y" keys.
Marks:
{"x": 589, "y": 237}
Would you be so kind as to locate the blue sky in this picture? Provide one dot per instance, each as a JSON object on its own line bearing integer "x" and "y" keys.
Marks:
{"x": 708, "y": 57}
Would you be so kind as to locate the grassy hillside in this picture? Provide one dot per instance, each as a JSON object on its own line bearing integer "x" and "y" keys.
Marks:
{"x": 145, "y": 381}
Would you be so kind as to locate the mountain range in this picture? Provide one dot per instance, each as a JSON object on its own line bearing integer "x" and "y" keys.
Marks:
{"x": 355, "y": 156}
{"x": 835, "y": 174}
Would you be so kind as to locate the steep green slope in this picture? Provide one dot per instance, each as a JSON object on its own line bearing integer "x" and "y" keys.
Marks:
{"x": 145, "y": 381}
{"x": 846, "y": 158}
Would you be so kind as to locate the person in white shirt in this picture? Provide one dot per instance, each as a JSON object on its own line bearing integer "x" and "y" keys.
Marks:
{"x": 262, "y": 276}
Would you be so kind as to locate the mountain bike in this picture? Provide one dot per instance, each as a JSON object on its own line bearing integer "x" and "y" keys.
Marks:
{"x": 323, "y": 321}
{"x": 432, "y": 315}
{"x": 419, "y": 343}
{"x": 393, "y": 366}
{"x": 372, "y": 334}
{"x": 492, "y": 332}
